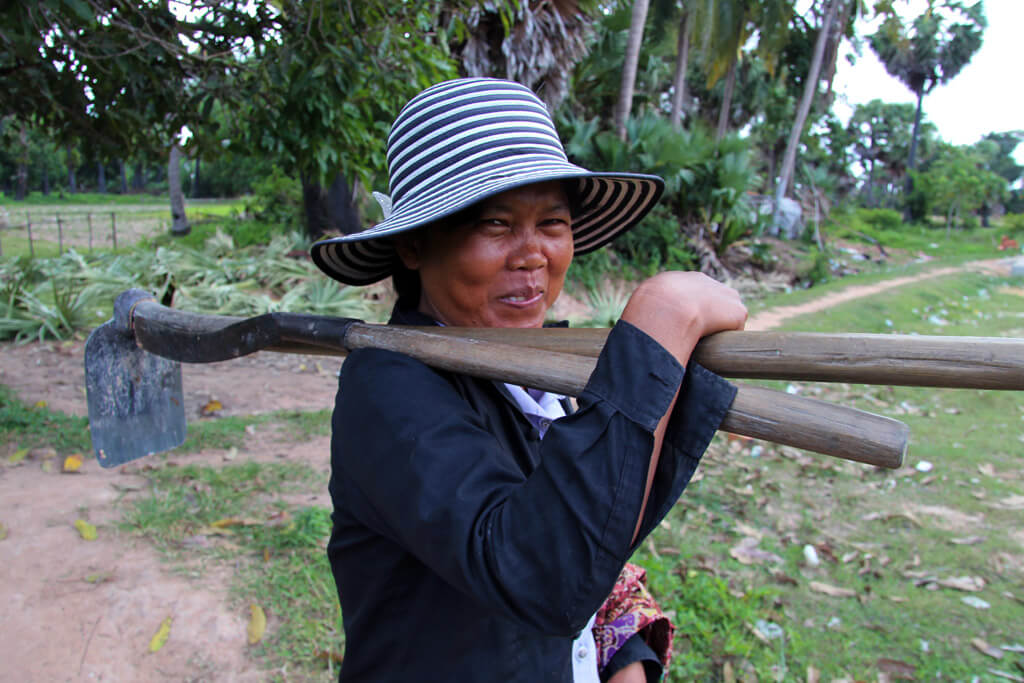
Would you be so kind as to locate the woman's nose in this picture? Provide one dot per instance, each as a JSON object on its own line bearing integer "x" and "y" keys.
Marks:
{"x": 528, "y": 252}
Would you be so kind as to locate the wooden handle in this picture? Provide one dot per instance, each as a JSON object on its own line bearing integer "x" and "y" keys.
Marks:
{"x": 892, "y": 359}
{"x": 756, "y": 412}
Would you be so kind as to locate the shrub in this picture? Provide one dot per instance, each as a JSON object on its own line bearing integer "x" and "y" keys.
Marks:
{"x": 881, "y": 219}
{"x": 1013, "y": 222}
{"x": 277, "y": 199}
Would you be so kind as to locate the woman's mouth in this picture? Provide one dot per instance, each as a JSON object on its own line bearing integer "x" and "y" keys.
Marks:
{"x": 523, "y": 299}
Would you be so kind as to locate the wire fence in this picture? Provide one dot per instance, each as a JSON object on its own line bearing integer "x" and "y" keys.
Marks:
{"x": 87, "y": 229}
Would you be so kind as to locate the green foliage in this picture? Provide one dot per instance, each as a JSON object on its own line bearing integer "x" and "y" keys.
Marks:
{"x": 1013, "y": 222}
{"x": 881, "y": 219}
{"x": 705, "y": 183}
{"x": 958, "y": 183}
{"x": 277, "y": 199}
{"x": 55, "y": 297}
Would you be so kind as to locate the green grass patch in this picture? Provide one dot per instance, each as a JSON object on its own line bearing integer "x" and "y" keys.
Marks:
{"x": 898, "y": 540}
{"x": 32, "y": 426}
{"x": 36, "y": 426}
{"x": 277, "y": 550}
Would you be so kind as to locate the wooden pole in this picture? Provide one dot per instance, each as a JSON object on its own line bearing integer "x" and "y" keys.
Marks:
{"x": 113, "y": 229}
{"x": 88, "y": 218}
{"x": 60, "y": 236}
{"x": 28, "y": 225}
{"x": 887, "y": 359}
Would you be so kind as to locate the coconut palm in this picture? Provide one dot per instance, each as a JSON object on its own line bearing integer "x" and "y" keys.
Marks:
{"x": 929, "y": 51}
{"x": 534, "y": 42}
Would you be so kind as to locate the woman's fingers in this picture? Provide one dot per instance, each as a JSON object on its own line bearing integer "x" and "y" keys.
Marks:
{"x": 678, "y": 308}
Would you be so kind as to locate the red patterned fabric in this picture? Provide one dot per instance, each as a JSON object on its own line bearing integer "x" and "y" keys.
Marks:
{"x": 629, "y": 610}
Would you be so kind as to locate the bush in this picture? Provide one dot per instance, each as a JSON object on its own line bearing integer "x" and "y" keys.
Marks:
{"x": 1013, "y": 222}
{"x": 277, "y": 199}
{"x": 881, "y": 219}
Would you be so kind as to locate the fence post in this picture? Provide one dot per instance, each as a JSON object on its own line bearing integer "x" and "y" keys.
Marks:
{"x": 113, "y": 229}
{"x": 88, "y": 218}
{"x": 60, "y": 237}
{"x": 28, "y": 224}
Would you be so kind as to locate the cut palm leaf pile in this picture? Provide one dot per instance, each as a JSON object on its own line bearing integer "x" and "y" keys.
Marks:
{"x": 53, "y": 298}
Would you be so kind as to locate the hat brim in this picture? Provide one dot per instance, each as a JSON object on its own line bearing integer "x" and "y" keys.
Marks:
{"x": 608, "y": 204}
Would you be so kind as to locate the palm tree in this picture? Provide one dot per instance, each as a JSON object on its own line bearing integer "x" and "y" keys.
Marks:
{"x": 534, "y": 43}
{"x": 804, "y": 108}
{"x": 629, "y": 66}
{"x": 682, "y": 61}
{"x": 929, "y": 52}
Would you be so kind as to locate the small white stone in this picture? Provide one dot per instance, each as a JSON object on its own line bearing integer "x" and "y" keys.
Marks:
{"x": 923, "y": 466}
{"x": 811, "y": 555}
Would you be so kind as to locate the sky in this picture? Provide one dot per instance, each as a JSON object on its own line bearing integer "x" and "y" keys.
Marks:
{"x": 986, "y": 96}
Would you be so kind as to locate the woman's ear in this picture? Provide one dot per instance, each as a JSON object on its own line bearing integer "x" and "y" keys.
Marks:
{"x": 408, "y": 248}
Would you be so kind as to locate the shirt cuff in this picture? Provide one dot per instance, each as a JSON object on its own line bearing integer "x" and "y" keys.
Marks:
{"x": 643, "y": 394}
{"x": 634, "y": 650}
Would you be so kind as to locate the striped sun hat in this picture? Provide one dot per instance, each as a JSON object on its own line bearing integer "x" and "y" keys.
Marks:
{"x": 462, "y": 141}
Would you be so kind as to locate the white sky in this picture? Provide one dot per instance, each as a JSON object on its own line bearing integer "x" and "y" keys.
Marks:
{"x": 987, "y": 96}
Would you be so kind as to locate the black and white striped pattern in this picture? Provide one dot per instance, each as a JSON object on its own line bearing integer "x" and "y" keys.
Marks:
{"x": 462, "y": 141}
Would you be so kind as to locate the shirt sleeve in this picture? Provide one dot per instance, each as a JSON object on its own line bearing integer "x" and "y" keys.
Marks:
{"x": 543, "y": 550}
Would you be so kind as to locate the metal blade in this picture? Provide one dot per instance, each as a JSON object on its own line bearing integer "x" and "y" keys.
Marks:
{"x": 136, "y": 406}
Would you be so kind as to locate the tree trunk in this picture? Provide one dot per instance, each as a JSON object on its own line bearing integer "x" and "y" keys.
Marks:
{"x": 195, "y": 180}
{"x": 124, "y": 176}
{"x": 330, "y": 211}
{"x": 72, "y": 184}
{"x": 179, "y": 222}
{"x": 21, "y": 185}
{"x": 101, "y": 177}
{"x": 139, "y": 177}
{"x": 810, "y": 88}
{"x": 46, "y": 179}
{"x": 723, "y": 113}
{"x": 911, "y": 159}
{"x": 629, "y": 66}
{"x": 679, "y": 82}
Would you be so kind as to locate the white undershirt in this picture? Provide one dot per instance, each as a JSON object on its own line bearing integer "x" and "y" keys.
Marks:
{"x": 541, "y": 412}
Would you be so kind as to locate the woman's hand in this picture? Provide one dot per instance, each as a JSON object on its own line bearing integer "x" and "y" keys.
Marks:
{"x": 676, "y": 309}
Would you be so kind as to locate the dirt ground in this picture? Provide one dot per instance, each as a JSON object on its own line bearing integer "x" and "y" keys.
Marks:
{"x": 59, "y": 623}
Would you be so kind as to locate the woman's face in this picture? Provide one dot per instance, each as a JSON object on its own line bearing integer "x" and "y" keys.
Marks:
{"x": 503, "y": 267}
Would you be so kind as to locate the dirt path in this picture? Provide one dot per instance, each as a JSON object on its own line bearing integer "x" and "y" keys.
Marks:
{"x": 58, "y": 626}
{"x": 766, "y": 320}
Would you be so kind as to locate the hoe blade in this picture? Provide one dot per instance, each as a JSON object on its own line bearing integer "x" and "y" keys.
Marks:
{"x": 135, "y": 398}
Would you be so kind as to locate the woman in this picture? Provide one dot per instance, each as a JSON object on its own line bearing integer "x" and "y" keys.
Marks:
{"x": 475, "y": 538}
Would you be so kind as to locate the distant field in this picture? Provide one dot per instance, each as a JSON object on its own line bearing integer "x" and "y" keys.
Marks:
{"x": 84, "y": 222}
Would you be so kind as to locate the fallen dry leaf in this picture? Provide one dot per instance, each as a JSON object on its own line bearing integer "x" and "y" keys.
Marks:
{"x": 987, "y": 469}
{"x": 967, "y": 540}
{"x": 85, "y": 530}
{"x": 975, "y": 602}
{"x": 40, "y": 404}
{"x": 986, "y": 649}
{"x": 257, "y": 623}
{"x": 17, "y": 457}
{"x": 328, "y": 654}
{"x": 897, "y": 669}
{"x": 160, "y": 637}
{"x": 98, "y": 577}
{"x": 211, "y": 408}
{"x": 747, "y": 552}
{"x": 963, "y": 583}
{"x": 747, "y": 530}
{"x": 813, "y": 676}
{"x": 834, "y": 591}
{"x": 1013, "y": 502}
{"x": 72, "y": 463}
{"x": 3, "y": 531}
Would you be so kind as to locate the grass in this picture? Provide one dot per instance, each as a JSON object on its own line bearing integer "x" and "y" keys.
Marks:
{"x": 30, "y": 426}
{"x": 890, "y": 537}
{"x": 34, "y": 426}
{"x": 239, "y": 514}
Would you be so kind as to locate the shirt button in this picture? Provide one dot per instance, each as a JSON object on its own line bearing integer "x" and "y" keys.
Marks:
{"x": 545, "y": 423}
{"x": 581, "y": 652}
